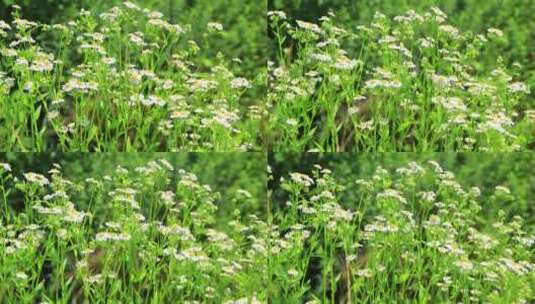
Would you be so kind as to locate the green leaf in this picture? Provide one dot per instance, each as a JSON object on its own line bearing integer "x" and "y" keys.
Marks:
{"x": 403, "y": 278}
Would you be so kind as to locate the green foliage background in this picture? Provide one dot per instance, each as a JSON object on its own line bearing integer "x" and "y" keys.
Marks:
{"x": 245, "y": 37}
{"x": 484, "y": 170}
{"x": 223, "y": 172}
{"x": 516, "y": 18}
{"x": 244, "y": 22}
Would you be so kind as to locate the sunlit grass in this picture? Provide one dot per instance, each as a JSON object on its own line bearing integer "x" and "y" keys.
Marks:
{"x": 411, "y": 83}
{"x": 124, "y": 80}
{"x": 412, "y": 235}
{"x": 151, "y": 234}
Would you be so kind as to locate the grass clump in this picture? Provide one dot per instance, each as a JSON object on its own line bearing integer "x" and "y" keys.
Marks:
{"x": 412, "y": 235}
{"x": 152, "y": 234}
{"x": 127, "y": 80}
{"x": 410, "y": 83}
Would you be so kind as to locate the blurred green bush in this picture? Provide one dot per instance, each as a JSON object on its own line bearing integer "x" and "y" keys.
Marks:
{"x": 223, "y": 172}
{"x": 483, "y": 170}
{"x": 514, "y": 17}
{"x": 244, "y": 22}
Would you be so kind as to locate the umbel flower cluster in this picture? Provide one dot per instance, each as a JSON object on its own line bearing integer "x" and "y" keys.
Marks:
{"x": 415, "y": 234}
{"x": 150, "y": 234}
{"x": 126, "y": 79}
{"x": 413, "y": 82}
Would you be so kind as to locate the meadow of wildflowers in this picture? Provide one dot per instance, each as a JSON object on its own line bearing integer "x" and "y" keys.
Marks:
{"x": 411, "y": 234}
{"x": 513, "y": 17}
{"x": 227, "y": 142}
{"x": 410, "y": 82}
{"x": 138, "y": 227}
{"x": 125, "y": 79}
{"x": 150, "y": 233}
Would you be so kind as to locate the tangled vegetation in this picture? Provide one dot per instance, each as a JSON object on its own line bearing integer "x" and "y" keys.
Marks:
{"x": 152, "y": 233}
{"x": 155, "y": 233}
{"x": 412, "y": 235}
{"x": 127, "y": 80}
{"x": 513, "y": 17}
{"x": 302, "y": 90}
{"x": 410, "y": 83}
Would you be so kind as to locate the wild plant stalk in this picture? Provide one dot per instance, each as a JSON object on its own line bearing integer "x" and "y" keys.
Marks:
{"x": 415, "y": 234}
{"x": 411, "y": 83}
{"x": 131, "y": 236}
{"x": 125, "y": 80}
